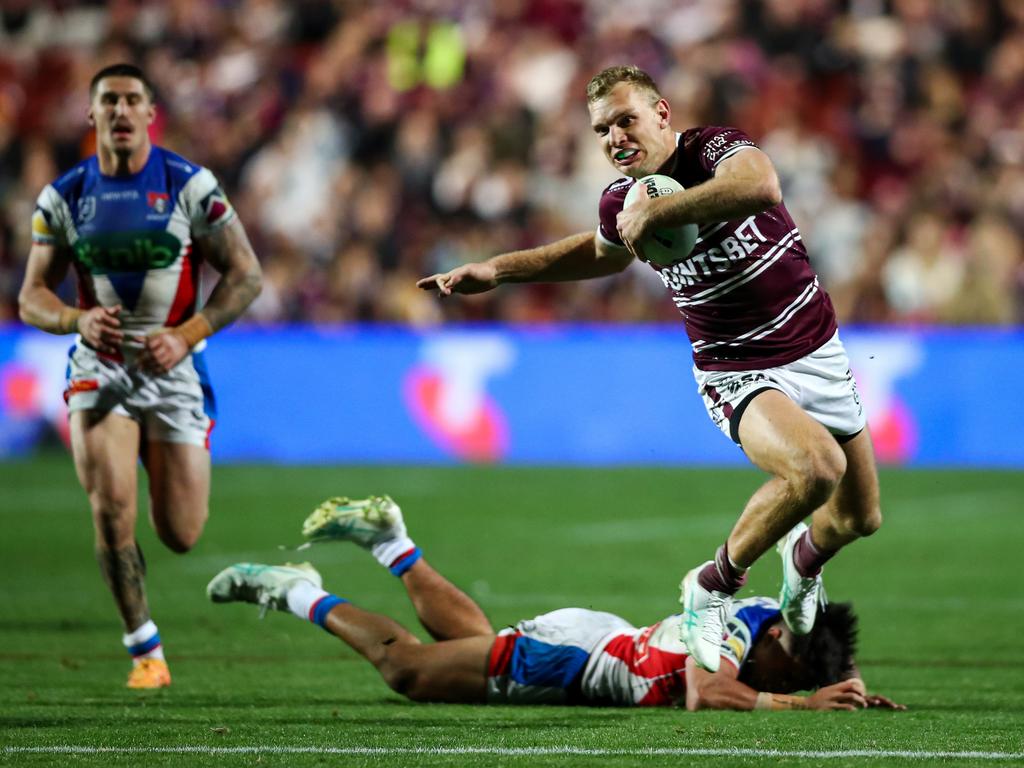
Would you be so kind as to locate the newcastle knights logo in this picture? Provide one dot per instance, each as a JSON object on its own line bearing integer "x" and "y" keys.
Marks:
{"x": 158, "y": 201}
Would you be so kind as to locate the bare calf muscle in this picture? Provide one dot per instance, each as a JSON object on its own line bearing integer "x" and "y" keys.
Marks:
{"x": 124, "y": 571}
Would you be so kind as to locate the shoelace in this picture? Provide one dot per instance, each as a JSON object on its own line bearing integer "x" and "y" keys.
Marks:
{"x": 709, "y": 633}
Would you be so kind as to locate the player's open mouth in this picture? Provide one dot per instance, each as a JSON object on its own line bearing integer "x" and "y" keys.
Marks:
{"x": 625, "y": 155}
{"x": 122, "y": 130}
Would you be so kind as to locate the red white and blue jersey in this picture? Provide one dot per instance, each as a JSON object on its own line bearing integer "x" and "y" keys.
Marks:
{"x": 747, "y": 292}
{"x": 131, "y": 238}
{"x": 581, "y": 656}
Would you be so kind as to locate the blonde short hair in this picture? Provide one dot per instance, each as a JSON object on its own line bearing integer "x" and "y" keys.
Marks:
{"x": 603, "y": 82}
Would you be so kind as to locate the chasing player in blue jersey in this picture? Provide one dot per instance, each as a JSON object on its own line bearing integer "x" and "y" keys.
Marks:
{"x": 568, "y": 656}
{"x": 136, "y": 222}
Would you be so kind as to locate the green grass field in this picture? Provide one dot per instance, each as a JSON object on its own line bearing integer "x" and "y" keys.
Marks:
{"x": 941, "y": 607}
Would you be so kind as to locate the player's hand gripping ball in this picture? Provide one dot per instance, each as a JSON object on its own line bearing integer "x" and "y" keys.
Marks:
{"x": 666, "y": 246}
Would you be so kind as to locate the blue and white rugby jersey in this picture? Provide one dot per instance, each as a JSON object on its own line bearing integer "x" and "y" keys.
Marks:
{"x": 647, "y": 666}
{"x": 131, "y": 237}
{"x": 747, "y": 619}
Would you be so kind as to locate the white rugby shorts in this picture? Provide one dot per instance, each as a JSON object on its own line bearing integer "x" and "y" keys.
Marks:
{"x": 542, "y": 660}
{"x": 175, "y": 407}
{"x": 821, "y": 383}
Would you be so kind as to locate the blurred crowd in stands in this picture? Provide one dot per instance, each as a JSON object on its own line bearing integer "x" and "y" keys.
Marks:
{"x": 366, "y": 144}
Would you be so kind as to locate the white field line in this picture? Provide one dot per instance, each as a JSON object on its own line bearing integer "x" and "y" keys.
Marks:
{"x": 516, "y": 752}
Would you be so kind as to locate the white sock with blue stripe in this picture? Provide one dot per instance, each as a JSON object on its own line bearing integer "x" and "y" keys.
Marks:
{"x": 308, "y": 601}
{"x": 144, "y": 642}
{"x": 397, "y": 555}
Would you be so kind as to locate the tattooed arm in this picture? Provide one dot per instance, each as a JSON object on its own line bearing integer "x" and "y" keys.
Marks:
{"x": 230, "y": 253}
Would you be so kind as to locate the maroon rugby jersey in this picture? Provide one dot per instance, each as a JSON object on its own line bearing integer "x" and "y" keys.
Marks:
{"x": 747, "y": 292}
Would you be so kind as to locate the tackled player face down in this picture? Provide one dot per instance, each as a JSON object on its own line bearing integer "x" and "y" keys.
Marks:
{"x": 568, "y": 656}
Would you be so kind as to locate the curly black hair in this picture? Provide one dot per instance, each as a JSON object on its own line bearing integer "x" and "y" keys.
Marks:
{"x": 828, "y": 650}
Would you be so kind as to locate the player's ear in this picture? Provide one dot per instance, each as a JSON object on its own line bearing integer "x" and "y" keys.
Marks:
{"x": 90, "y": 116}
{"x": 664, "y": 113}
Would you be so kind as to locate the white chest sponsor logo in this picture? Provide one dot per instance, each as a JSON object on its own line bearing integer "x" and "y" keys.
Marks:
{"x": 741, "y": 244}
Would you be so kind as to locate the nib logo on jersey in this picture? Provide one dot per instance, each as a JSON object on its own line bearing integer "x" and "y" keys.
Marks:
{"x": 125, "y": 258}
{"x": 446, "y": 395}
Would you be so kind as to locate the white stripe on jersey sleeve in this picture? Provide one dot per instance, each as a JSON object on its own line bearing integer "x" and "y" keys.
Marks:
{"x": 735, "y": 150}
{"x": 605, "y": 241}
{"x": 60, "y": 230}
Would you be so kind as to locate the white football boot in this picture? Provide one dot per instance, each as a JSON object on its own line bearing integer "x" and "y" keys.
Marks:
{"x": 703, "y": 620}
{"x": 367, "y": 522}
{"x": 264, "y": 585}
{"x": 800, "y": 596}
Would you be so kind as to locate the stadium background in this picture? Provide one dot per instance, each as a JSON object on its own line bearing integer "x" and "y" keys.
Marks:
{"x": 367, "y": 144}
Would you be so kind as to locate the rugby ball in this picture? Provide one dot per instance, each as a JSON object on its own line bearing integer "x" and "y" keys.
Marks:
{"x": 663, "y": 247}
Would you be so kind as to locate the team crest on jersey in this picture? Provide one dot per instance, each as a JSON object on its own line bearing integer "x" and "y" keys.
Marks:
{"x": 86, "y": 209}
{"x": 158, "y": 201}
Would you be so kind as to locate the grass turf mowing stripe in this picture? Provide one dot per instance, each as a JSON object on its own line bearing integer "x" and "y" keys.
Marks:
{"x": 521, "y": 752}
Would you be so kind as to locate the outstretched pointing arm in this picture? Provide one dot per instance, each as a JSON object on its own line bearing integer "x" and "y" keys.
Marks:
{"x": 577, "y": 257}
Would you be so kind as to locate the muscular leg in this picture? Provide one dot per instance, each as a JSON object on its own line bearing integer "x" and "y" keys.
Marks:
{"x": 807, "y": 464}
{"x": 854, "y": 509}
{"x": 452, "y": 670}
{"x": 444, "y": 610}
{"x": 105, "y": 449}
{"x": 179, "y": 492}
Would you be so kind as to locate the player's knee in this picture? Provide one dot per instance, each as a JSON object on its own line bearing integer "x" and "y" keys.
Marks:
{"x": 177, "y": 544}
{"x": 862, "y": 518}
{"x": 179, "y": 541}
{"x": 179, "y": 533}
{"x": 818, "y": 471}
{"x": 867, "y": 522}
{"x": 401, "y": 677}
{"x": 110, "y": 503}
{"x": 113, "y": 518}
{"x": 404, "y": 675}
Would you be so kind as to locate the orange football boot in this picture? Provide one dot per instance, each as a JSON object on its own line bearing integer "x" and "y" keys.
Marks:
{"x": 150, "y": 673}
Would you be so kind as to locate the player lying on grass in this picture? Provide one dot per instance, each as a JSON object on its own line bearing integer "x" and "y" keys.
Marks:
{"x": 569, "y": 656}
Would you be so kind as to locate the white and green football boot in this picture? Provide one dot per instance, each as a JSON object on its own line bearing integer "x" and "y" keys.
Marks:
{"x": 703, "y": 619}
{"x": 367, "y": 522}
{"x": 800, "y": 596}
{"x": 264, "y": 585}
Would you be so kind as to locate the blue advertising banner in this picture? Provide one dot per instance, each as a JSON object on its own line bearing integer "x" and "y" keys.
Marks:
{"x": 555, "y": 395}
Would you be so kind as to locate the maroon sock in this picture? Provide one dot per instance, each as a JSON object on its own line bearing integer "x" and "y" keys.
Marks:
{"x": 720, "y": 575}
{"x": 807, "y": 558}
